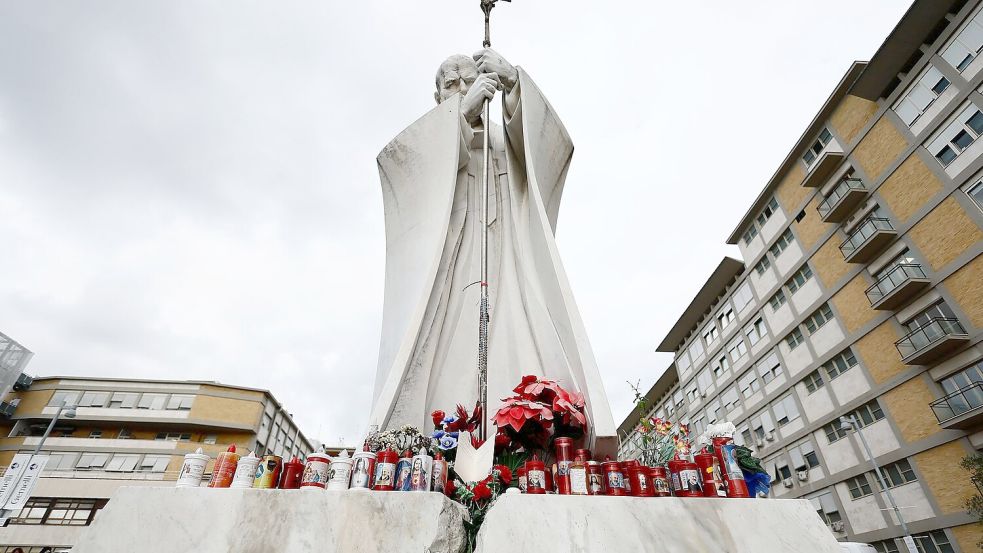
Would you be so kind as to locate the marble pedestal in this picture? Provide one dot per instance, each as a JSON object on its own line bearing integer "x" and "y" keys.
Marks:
{"x": 568, "y": 524}
{"x": 202, "y": 520}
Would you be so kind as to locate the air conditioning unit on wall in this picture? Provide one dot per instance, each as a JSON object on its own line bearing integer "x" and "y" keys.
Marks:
{"x": 836, "y": 526}
{"x": 787, "y": 482}
{"x": 802, "y": 474}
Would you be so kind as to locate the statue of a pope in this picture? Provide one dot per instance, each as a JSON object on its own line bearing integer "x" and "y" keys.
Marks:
{"x": 430, "y": 182}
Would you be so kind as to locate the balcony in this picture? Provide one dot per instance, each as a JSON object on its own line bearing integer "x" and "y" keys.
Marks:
{"x": 960, "y": 409}
{"x": 899, "y": 285}
{"x": 823, "y": 167}
{"x": 842, "y": 200}
{"x": 867, "y": 240}
{"x": 932, "y": 341}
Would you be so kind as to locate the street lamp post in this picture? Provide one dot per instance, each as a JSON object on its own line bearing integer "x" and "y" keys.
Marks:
{"x": 850, "y": 422}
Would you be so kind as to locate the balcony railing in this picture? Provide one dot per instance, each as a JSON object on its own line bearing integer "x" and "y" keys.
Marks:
{"x": 895, "y": 280}
{"x": 919, "y": 344}
{"x": 958, "y": 403}
{"x": 835, "y": 197}
{"x": 865, "y": 236}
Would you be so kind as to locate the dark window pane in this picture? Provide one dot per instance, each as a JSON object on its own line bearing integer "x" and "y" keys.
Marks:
{"x": 962, "y": 140}
{"x": 941, "y": 85}
{"x": 946, "y": 155}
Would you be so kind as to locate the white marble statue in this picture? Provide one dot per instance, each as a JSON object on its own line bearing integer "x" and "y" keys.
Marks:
{"x": 430, "y": 181}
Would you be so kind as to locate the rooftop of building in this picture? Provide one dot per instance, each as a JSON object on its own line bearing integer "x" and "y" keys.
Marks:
{"x": 727, "y": 270}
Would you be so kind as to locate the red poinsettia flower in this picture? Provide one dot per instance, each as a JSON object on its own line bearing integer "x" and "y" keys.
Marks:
{"x": 438, "y": 417}
{"x": 516, "y": 411}
{"x": 570, "y": 406}
{"x": 504, "y": 474}
{"x": 481, "y": 491}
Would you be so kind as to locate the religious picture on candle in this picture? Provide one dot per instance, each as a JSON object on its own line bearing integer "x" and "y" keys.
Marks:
{"x": 360, "y": 474}
{"x": 403, "y": 477}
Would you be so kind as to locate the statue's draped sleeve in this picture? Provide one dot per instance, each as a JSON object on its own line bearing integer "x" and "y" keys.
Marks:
{"x": 418, "y": 170}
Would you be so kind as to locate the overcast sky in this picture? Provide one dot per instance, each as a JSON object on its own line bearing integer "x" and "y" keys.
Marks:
{"x": 188, "y": 190}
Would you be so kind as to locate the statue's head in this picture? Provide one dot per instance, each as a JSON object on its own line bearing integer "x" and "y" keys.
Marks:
{"x": 455, "y": 75}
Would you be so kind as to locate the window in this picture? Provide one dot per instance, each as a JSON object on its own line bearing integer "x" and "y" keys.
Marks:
{"x": 704, "y": 381}
{"x": 678, "y": 399}
{"x": 786, "y": 410}
{"x": 725, "y": 317}
{"x": 885, "y": 546}
{"x": 696, "y": 351}
{"x": 818, "y": 318}
{"x": 122, "y": 463}
{"x": 799, "y": 278}
{"x": 730, "y": 399}
{"x": 756, "y": 331}
{"x": 743, "y": 296}
{"x": 933, "y": 542}
{"x": 926, "y": 89}
{"x": 58, "y": 512}
{"x": 813, "y": 381}
{"x": 769, "y": 367}
{"x": 61, "y": 461}
{"x": 721, "y": 366}
{"x": 804, "y": 456}
{"x": 682, "y": 362}
{"x": 736, "y": 349}
{"x": 859, "y": 486}
{"x": 154, "y": 463}
{"x": 180, "y": 402}
{"x": 826, "y": 507}
{"x": 817, "y": 147}
{"x": 939, "y": 310}
{"x": 693, "y": 393}
{"x": 152, "y": 401}
{"x": 777, "y": 300}
{"x": 70, "y": 398}
{"x": 210, "y": 439}
{"x": 173, "y": 436}
{"x": 713, "y": 411}
{"x": 903, "y": 258}
{"x": 749, "y": 234}
{"x": 93, "y": 399}
{"x": 782, "y": 472}
{"x": 768, "y": 211}
{"x": 834, "y": 432}
{"x": 957, "y": 136}
{"x": 794, "y": 338}
{"x": 898, "y": 473}
{"x": 782, "y": 243}
{"x": 962, "y": 379}
{"x": 868, "y": 413}
{"x": 95, "y": 434}
{"x": 124, "y": 434}
{"x": 964, "y": 47}
{"x": 761, "y": 266}
{"x": 840, "y": 363}
{"x": 123, "y": 400}
{"x": 976, "y": 193}
{"x": 699, "y": 425}
{"x": 748, "y": 383}
{"x": 709, "y": 333}
{"x": 762, "y": 425}
{"x": 92, "y": 461}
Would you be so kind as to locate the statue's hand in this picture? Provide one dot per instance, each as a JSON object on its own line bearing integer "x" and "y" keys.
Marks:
{"x": 482, "y": 88}
{"x": 490, "y": 61}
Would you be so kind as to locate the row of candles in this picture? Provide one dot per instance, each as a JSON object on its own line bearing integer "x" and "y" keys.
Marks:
{"x": 706, "y": 474}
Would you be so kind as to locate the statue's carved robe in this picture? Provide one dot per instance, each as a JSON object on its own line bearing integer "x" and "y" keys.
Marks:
{"x": 431, "y": 182}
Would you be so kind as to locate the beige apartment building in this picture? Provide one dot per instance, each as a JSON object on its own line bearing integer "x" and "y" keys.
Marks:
{"x": 861, "y": 294}
{"x": 126, "y": 433}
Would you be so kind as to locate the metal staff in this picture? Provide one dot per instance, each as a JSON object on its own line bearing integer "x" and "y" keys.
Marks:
{"x": 483, "y": 319}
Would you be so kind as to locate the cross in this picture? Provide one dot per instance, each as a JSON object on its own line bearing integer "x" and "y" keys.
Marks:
{"x": 486, "y": 7}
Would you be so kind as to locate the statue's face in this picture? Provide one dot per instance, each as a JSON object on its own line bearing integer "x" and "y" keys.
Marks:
{"x": 455, "y": 75}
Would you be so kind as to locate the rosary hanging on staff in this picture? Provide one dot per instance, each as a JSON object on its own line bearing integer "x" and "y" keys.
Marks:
{"x": 483, "y": 318}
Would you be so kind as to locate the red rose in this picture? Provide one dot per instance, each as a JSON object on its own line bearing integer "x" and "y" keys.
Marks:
{"x": 504, "y": 474}
{"x": 482, "y": 491}
{"x": 438, "y": 418}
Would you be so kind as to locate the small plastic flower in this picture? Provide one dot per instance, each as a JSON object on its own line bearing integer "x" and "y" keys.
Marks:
{"x": 481, "y": 491}
{"x": 504, "y": 474}
{"x": 437, "y": 417}
{"x": 447, "y": 442}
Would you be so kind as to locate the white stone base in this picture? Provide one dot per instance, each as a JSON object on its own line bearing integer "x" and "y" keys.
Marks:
{"x": 568, "y": 524}
{"x": 202, "y": 520}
